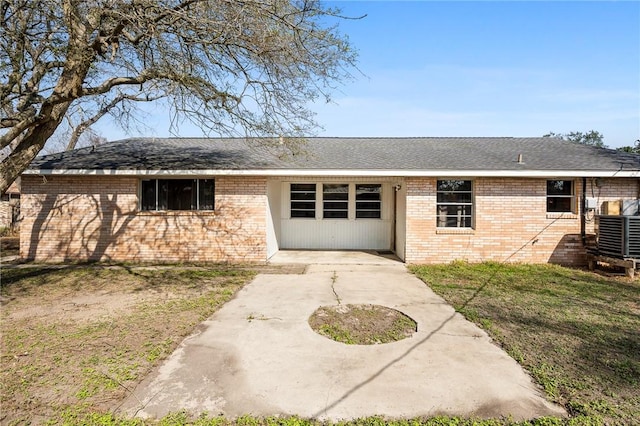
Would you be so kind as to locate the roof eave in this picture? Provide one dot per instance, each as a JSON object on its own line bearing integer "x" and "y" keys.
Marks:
{"x": 337, "y": 172}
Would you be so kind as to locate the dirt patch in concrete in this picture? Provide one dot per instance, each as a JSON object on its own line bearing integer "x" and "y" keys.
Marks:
{"x": 362, "y": 324}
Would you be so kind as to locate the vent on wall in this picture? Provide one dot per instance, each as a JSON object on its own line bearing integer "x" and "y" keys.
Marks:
{"x": 619, "y": 236}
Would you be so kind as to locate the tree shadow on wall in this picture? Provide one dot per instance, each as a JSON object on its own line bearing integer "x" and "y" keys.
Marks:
{"x": 84, "y": 227}
{"x": 78, "y": 234}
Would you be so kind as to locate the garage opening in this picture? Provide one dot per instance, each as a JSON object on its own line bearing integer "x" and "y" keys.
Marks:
{"x": 337, "y": 215}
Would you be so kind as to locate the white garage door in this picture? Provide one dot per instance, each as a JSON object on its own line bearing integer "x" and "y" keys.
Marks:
{"x": 337, "y": 215}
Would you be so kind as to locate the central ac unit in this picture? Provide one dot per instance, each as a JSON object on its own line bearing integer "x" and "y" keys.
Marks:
{"x": 619, "y": 236}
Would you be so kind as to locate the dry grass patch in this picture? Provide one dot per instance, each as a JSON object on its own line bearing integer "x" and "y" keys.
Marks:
{"x": 9, "y": 245}
{"x": 362, "y": 324}
{"x": 82, "y": 337}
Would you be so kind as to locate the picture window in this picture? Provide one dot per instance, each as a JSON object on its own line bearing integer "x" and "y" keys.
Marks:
{"x": 177, "y": 194}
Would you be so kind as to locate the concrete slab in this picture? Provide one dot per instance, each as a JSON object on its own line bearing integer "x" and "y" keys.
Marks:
{"x": 334, "y": 257}
{"x": 257, "y": 355}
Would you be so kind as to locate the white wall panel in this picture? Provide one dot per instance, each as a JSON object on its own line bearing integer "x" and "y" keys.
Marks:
{"x": 361, "y": 234}
{"x": 273, "y": 216}
{"x": 401, "y": 221}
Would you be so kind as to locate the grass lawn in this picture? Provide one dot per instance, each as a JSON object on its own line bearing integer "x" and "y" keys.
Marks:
{"x": 76, "y": 340}
{"x": 576, "y": 332}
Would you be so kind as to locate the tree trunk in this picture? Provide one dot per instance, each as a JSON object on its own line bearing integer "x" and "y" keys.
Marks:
{"x": 80, "y": 57}
{"x": 28, "y": 148}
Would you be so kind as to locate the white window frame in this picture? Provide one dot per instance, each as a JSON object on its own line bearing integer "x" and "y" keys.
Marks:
{"x": 315, "y": 201}
{"x": 325, "y": 210}
{"x": 352, "y": 210}
{"x": 572, "y": 197}
{"x": 378, "y": 201}
{"x": 461, "y": 222}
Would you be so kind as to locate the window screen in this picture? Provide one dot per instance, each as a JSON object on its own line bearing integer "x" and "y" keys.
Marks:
{"x": 560, "y": 196}
{"x": 454, "y": 204}
{"x": 368, "y": 201}
{"x": 303, "y": 200}
{"x": 335, "y": 199}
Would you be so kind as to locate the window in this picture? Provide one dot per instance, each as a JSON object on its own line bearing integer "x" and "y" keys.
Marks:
{"x": 335, "y": 199}
{"x": 9, "y": 197}
{"x": 303, "y": 200}
{"x": 454, "y": 204}
{"x": 177, "y": 194}
{"x": 368, "y": 201}
{"x": 560, "y": 196}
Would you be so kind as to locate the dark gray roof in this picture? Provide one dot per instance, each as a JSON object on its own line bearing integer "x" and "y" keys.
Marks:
{"x": 383, "y": 154}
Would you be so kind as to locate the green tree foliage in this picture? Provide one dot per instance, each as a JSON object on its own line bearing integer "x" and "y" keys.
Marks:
{"x": 591, "y": 138}
{"x": 631, "y": 149}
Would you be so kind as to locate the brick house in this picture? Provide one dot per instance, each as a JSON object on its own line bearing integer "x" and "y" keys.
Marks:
{"x": 428, "y": 200}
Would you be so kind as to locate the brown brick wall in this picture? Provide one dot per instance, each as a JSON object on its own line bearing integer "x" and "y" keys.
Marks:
{"x": 511, "y": 222}
{"x": 6, "y": 213}
{"x": 97, "y": 218}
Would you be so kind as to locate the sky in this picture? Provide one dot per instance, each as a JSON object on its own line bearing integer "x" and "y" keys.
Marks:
{"x": 482, "y": 68}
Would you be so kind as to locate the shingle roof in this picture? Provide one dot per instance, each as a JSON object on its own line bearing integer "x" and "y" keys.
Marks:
{"x": 339, "y": 154}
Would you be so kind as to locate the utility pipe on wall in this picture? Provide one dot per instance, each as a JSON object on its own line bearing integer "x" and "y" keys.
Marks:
{"x": 583, "y": 213}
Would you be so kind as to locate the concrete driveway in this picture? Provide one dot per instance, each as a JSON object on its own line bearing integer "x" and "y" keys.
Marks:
{"x": 257, "y": 355}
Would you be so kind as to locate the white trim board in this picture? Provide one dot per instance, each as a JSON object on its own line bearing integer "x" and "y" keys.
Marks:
{"x": 339, "y": 172}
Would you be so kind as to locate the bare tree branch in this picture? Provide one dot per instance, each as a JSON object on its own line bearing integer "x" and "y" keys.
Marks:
{"x": 105, "y": 109}
{"x": 231, "y": 67}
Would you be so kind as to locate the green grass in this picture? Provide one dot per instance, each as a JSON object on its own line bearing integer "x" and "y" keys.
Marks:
{"x": 339, "y": 334}
{"x": 182, "y": 419}
{"x": 576, "y": 332}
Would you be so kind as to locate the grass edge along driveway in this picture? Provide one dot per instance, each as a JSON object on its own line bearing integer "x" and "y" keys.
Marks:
{"x": 576, "y": 332}
{"x": 557, "y": 322}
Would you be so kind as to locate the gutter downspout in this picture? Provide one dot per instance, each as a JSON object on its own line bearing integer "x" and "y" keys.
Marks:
{"x": 583, "y": 213}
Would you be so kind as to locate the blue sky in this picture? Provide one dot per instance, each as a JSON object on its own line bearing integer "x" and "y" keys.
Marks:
{"x": 486, "y": 69}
